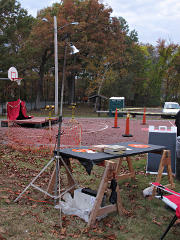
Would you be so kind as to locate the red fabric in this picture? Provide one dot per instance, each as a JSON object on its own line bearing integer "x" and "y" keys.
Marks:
{"x": 23, "y": 109}
{"x": 13, "y": 109}
{"x": 173, "y": 198}
{"x": 166, "y": 189}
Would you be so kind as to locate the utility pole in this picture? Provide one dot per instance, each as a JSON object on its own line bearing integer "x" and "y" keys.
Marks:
{"x": 56, "y": 64}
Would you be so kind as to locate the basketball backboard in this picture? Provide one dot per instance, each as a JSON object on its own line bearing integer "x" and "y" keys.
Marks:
{"x": 12, "y": 73}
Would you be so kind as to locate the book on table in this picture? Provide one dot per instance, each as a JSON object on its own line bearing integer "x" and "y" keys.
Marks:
{"x": 99, "y": 148}
{"x": 115, "y": 149}
{"x": 112, "y": 149}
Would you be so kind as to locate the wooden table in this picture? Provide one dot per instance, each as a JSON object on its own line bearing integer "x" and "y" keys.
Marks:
{"x": 112, "y": 170}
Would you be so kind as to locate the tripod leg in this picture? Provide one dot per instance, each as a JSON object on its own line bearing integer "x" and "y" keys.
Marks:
{"x": 34, "y": 179}
{"x": 51, "y": 182}
{"x": 68, "y": 169}
{"x": 170, "y": 225}
{"x": 57, "y": 179}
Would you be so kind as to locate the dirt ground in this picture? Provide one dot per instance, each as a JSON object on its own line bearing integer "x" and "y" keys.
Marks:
{"x": 30, "y": 219}
{"x": 95, "y": 131}
{"x": 102, "y": 131}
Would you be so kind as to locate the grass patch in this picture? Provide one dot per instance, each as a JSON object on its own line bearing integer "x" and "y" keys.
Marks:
{"x": 29, "y": 219}
{"x": 84, "y": 110}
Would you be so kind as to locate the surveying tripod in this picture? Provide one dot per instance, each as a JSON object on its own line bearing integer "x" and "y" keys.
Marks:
{"x": 58, "y": 160}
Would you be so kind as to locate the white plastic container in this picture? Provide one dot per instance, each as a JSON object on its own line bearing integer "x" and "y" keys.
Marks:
{"x": 83, "y": 201}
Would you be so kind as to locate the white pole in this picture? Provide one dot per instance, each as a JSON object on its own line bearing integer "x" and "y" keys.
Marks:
{"x": 63, "y": 79}
{"x": 56, "y": 64}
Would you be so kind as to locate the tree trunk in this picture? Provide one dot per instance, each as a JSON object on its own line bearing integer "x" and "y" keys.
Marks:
{"x": 71, "y": 89}
{"x": 40, "y": 87}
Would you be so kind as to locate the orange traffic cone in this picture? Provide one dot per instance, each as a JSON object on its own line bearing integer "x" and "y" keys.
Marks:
{"x": 127, "y": 128}
{"x": 115, "y": 120}
{"x": 144, "y": 117}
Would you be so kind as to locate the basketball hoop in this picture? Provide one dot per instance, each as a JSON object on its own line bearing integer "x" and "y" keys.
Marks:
{"x": 13, "y": 75}
{"x": 18, "y": 80}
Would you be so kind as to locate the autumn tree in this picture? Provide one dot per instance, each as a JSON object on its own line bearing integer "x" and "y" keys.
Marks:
{"x": 39, "y": 51}
{"x": 167, "y": 54}
{"x": 175, "y": 86}
{"x": 122, "y": 64}
{"x": 161, "y": 75}
{"x": 102, "y": 41}
{"x": 111, "y": 62}
{"x": 15, "y": 26}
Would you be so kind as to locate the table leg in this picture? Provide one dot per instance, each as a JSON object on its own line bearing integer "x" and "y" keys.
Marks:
{"x": 131, "y": 173}
{"x": 97, "y": 210}
{"x": 71, "y": 181}
{"x": 130, "y": 166}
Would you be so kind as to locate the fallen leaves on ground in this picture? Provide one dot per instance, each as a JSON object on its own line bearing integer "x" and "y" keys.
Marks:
{"x": 156, "y": 222}
{"x": 63, "y": 231}
{"x": 111, "y": 237}
{"x": 177, "y": 222}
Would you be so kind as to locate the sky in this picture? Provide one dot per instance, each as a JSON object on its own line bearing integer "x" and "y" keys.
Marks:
{"x": 152, "y": 19}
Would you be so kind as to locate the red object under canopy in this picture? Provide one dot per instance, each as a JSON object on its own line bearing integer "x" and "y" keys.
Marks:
{"x": 16, "y": 110}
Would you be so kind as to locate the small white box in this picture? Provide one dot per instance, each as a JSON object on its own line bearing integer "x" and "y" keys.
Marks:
{"x": 83, "y": 201}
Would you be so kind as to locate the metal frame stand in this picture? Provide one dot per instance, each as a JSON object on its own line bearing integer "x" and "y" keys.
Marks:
{"x": 57, "y": 156}
{"x": 58, "y": 159}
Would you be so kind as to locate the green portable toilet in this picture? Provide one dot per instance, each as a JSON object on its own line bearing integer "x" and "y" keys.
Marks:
{"x": 115, "y": 102}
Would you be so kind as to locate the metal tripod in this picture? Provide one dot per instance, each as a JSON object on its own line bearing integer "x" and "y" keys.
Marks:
{"x": 58, "y": 159}
{"x": 56, "y": 156}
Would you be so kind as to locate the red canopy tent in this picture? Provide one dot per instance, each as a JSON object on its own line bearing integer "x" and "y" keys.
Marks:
{"x": 16, "y": 110}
